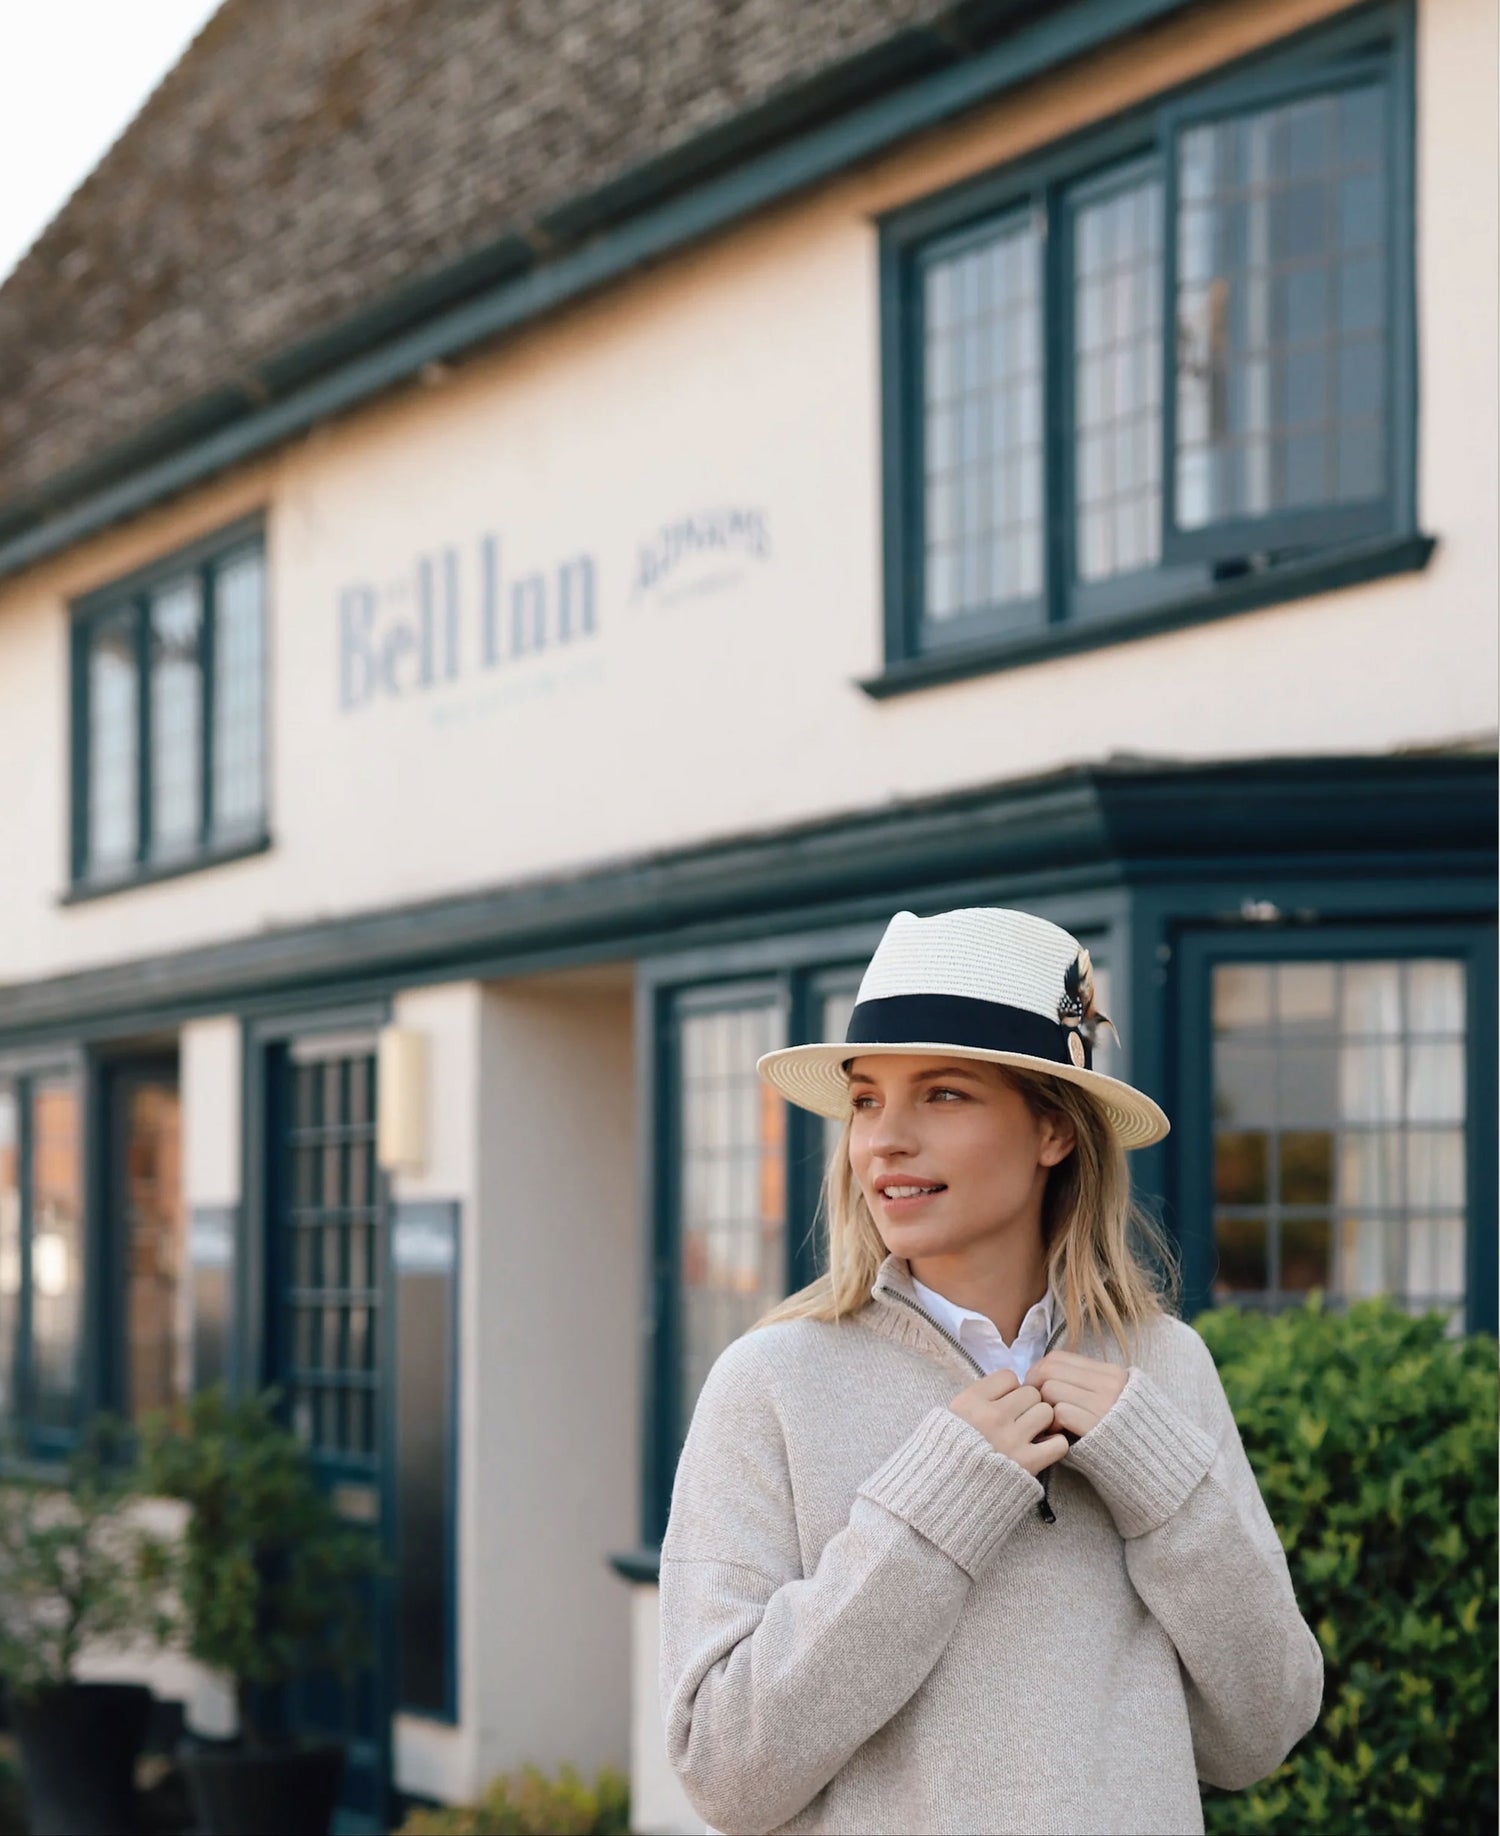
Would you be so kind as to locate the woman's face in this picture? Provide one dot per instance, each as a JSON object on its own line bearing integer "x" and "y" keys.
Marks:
{"x": 947, "y": 1153}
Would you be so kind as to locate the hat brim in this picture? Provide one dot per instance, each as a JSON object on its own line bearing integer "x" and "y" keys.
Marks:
{"x": 812, "y": 1077}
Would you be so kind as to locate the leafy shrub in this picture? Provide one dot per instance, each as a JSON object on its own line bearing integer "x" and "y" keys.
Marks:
{"x": 77, "y": 1569}
{"x": 527, "y": 1803}
{"x": 270, "y": 1577}
{"x": 1373, "y": 1437}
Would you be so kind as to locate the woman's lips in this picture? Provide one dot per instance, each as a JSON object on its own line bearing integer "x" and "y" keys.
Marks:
{"x": 911, "y": 1202}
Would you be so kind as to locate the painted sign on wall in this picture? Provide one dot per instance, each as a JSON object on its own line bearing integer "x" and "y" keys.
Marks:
{"x": 452, "y": 615}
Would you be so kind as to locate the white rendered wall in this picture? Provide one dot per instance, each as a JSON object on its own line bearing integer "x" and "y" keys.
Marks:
{"x": 559, "y": 1388}
{"x": 744, "y": 376}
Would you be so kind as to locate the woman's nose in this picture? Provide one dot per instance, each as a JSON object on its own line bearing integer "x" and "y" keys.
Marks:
{"x": 894, "y": 1130}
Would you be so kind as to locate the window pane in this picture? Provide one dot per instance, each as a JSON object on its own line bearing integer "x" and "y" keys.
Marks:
{"x": 732, "y": 1219}
{"x": 113, "y": 741}
{"x": 1339, "y": 1151}
{"x": 156, "y": 1324}
{"x": 56, "y": 1253}
{"x": 983, "y": 459}
{"x": 1117, "y": 280}
{"x": 10, "y": 1249}
{"x": 176, "y": 720}
{"x": 1282, "y": 254}
{"x": 239, "y": 695}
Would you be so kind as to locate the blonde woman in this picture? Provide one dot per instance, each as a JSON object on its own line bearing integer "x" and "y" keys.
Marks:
{"x": 963, "y": 1537}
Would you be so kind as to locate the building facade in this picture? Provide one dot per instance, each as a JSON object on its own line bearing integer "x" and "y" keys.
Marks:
{"x": 1047, "y": 458}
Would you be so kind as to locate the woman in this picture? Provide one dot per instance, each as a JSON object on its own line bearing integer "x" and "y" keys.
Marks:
{"x": 963, "y": 1537}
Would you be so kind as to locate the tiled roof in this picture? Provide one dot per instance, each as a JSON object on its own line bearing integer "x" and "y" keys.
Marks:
{"x": 303, "y": 161}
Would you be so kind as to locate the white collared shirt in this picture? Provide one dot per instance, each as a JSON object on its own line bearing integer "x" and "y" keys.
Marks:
{"x": 980, "y": 1337}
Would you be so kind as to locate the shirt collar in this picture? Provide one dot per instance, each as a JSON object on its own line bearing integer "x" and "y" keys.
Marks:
{"x": 1038, "y": 1322}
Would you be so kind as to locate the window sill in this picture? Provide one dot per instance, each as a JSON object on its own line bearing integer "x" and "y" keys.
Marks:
{"x": 1292, "y": 580}
{"x": 85, "y": 890}
{"x": 637, "y": 1565}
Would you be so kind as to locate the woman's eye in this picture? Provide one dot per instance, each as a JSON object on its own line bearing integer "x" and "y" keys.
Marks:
{"x": 941, "y": 1090}
{"x": 861, "y": 1102}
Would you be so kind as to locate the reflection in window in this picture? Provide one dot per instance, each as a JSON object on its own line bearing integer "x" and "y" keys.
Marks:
{"x": 56, "y": 1253}
{"x": 1339, "y": 1097}
{"x": 238, "y": 695}
{"x": 1117, "y": 356}
{"x": 732, "y": 1173}
{"x": 1281, "y": 314}
{"x": 176, "y": 719}
{"x": 113, "y": 744}
{"x": 156, "y": 1321}
{"x": 982, "y": 318}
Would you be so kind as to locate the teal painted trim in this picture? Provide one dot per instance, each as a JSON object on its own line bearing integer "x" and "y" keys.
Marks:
{"x": 1282, "y": 585}
{"x": 89, "y": 890}
{"x": 636, "y": 1564}
{"x": 1323, "y": 817}
{"x": 232, "y": 434}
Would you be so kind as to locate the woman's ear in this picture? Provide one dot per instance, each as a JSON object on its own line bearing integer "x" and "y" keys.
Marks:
{"x": 1059, "y": 1138}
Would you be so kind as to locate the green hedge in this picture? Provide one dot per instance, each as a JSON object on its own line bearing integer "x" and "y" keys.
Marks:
{"x": 1373, "y": 1437}
{"x": 528, "y": 1803}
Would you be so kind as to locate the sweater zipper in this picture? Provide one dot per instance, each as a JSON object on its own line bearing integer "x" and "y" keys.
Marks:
{"x": 1044, "y": 1509}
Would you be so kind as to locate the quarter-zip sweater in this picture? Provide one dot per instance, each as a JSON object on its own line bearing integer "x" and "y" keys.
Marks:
{"x": 868, "y": 1625}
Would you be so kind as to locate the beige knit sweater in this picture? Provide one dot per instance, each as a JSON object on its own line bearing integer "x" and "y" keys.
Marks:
{"x": 866, "y": 1625}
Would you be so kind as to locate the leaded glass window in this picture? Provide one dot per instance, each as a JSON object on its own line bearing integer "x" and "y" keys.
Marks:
{"x": 1136, "y": 368}
{"x": 1117, "y": 373}
{"x": 176, "y": 726}
{"x": 1339, "y": 1131}
{"x": 732, "y": 1180}
{"x": 333, "y": 1255}
{"x": 170, "y": 694}
{"x": 1283, "y": 245}
{"x": 984, "y": 423}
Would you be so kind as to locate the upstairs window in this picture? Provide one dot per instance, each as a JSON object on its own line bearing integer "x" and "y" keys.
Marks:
{"x": 1162, "y": 358}
{"x": 169, "y": 716}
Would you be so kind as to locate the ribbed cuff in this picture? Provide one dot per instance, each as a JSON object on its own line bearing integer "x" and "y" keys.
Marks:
{"x": 1144, "y": 1458}
{"x": 951, "y": 1486}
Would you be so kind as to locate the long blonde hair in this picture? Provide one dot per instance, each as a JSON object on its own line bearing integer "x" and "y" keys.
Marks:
{"x": 1108, "y": 1261}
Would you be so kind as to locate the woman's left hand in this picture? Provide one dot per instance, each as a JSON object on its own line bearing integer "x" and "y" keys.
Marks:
{"x": 1081, "y": 1390}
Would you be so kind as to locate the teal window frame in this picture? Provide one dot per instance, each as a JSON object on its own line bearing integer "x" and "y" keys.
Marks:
{"x": 1227, "y": 568}
{"x": 129, "y": 599}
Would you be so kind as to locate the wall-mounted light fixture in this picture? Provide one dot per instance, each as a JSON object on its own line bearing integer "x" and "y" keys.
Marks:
{"x": 401, "y": 1102}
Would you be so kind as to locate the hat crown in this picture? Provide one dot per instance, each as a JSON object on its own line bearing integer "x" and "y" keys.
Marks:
{"x": 980, "y": 953}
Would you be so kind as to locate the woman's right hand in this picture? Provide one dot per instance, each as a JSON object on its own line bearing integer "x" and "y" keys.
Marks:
{"x": 1011, "y": 1415}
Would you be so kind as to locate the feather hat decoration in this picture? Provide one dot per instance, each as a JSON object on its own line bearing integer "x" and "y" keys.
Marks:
{"x": 1076, "y": 1009}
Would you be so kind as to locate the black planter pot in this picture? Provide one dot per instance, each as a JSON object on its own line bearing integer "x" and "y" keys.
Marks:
{"x": 79, "y": 1744}
{"x": 240, "y": 1791}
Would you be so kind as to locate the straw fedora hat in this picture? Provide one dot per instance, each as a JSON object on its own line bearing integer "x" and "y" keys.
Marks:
{"x": 985, "y": 983}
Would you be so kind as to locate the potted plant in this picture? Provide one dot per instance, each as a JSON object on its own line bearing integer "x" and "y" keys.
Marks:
{"x": 269, "y": 1579}
{"x": 77, "y": 1571}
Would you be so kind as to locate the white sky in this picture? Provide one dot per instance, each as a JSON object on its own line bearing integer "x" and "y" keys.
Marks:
{"x": 73, "y": 73}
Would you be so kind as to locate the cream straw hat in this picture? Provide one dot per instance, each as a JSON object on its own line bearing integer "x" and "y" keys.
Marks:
{"x": 983, "y": 983}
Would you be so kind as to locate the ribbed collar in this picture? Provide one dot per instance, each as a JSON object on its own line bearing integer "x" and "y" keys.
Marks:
{"x": 896, "y": 1312}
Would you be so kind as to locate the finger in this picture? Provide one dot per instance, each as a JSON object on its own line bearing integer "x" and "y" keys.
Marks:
{"x": 1073, "y": 1418}
{"x": 1045, "y": 1453}
{"x": 1000, "y": 1383}
{"x": 1057, "y": 1390}
{"x": 1023, "y": 1397}
{"x": 1037, "y": 1420}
